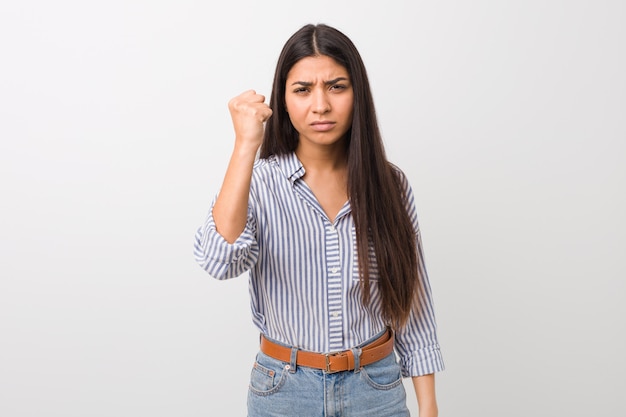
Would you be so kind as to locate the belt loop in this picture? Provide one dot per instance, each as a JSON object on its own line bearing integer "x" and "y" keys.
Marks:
{"x": 293, "y": 360}
{"x": 357, "y": 359}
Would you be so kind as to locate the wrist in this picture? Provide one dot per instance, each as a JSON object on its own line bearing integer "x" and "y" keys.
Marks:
{"x": 245, "y": 151}
{"x": 428, "y": 410}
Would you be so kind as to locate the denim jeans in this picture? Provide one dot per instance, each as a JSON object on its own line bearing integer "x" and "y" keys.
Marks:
{"x": 281, "y": 389}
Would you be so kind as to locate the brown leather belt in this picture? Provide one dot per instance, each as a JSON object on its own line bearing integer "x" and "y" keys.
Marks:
{"x": 332, "y": 362}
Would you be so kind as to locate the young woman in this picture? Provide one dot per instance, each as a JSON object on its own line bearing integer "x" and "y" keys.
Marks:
{"x": 327, "y": 229}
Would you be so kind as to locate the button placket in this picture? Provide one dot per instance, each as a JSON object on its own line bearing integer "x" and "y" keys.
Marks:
{"x": 334, "y": 288}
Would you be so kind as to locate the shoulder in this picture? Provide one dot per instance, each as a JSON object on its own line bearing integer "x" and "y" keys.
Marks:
{"x": 403, "y": 181}
{"x": 267, "y": 173}
{"x": 264, "y": 167}
{"x": 405, "y": 188}
{"x": 270, "y": 161}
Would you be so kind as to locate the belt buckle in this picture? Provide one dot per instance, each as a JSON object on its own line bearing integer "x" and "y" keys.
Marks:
{"x": 327, "y": 357}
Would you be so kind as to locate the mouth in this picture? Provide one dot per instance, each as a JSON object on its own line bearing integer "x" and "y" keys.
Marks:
{"x": 322, "y": 125}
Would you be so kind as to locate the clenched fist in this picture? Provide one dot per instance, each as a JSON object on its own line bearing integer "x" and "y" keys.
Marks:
{"x": 249, "y": 112}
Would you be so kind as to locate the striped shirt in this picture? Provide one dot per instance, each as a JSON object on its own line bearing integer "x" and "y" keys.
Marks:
{"x": 303, "y": 271}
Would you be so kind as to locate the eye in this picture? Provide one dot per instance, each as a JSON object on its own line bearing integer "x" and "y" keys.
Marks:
{"x": 301, "y": 90}
{"x": 338, "y": 87}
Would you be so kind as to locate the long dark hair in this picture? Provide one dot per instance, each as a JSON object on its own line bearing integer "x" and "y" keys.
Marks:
{"x": 375, "y": 187}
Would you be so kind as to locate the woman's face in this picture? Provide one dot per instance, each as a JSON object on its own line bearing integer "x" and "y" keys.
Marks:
{"x": 319, "y": 99}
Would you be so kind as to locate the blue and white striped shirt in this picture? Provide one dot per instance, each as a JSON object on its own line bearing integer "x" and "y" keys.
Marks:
{"x": 304, "y": 282}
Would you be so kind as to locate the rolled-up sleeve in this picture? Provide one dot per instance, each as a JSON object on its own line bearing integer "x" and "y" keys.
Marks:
{"x": 417, "y": 344}
{"x": 223, "y": 260}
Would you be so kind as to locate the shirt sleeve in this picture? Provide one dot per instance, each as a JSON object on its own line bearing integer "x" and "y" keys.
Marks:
{"x": 417, "y": 344}
{"x": 221, "y": 259}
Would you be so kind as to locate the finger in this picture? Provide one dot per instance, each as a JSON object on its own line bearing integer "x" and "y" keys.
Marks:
{"x": 253, "y": 96}
{"x": 257, "y": 98}
{"x": 260, "y": 110}
{"x": 266, "y": 114}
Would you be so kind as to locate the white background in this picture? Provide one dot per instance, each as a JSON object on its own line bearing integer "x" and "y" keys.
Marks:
{"x": 507, "y": 116}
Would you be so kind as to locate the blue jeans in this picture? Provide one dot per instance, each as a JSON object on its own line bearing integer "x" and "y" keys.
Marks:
{"x": 280, "y": 389}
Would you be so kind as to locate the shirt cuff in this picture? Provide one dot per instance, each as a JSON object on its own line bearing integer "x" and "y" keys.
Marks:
{"x": 221, "y": 259}
{"x": 422, "y": 362}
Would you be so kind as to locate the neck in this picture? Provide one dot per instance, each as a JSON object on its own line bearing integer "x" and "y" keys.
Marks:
{"x": 323, "y": 158}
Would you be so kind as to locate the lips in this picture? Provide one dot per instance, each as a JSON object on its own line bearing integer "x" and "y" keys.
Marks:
{"x": 322, "y": 126}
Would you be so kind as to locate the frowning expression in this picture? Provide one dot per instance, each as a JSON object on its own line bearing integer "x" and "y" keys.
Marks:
{"x": 319, "y": 99}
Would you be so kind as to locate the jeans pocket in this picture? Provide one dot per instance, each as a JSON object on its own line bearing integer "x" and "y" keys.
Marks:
{"x": 267, "y": 378}
{"x": 384, "y": 374}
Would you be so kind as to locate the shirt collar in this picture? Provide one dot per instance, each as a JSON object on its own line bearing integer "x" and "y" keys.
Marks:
{"x": 291, "y": 166}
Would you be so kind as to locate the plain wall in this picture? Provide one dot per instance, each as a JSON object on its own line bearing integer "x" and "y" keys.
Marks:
{"x": 507, "y": 117}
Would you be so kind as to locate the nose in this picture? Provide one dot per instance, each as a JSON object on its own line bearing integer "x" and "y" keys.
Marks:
{"x": 320, "y": 103}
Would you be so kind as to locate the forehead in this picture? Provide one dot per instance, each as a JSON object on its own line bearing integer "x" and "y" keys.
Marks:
{"x": 312, "y": 68}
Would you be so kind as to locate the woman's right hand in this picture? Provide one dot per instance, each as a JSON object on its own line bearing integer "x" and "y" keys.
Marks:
{"x": 249, "y": 113}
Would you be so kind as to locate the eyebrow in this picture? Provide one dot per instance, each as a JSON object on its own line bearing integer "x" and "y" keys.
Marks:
{"x": 329, "y": 82}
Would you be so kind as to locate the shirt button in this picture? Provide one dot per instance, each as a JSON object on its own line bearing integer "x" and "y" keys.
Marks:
{"x": 335, "y": 314}
{"x": 334, "y": 270}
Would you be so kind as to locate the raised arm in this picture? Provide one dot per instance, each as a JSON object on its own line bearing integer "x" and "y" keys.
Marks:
{"x": 248, "y": 112}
